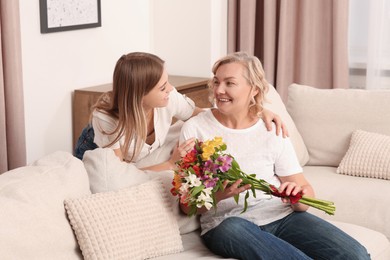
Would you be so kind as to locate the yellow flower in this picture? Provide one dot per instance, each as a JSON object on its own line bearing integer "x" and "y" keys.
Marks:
{"x": 209, "y": 147}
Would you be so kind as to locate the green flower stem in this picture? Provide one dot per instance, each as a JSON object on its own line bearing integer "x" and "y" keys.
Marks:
{"x": 259, "y": 184}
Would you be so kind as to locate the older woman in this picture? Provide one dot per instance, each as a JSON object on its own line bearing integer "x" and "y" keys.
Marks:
{"x": 270, "y": 228}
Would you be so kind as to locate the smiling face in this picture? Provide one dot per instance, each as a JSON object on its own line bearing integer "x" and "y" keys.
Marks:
{"x": 232, "y": 91}
{"x": 159, "y": 95}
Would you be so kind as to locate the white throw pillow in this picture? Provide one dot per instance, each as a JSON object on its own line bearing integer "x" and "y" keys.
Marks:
{"x": 107, "y": 172}
{"x": 276, "y": 105}
{"x": 131, "y": 223}
{"x": 368, "y": 156}
{"x": 326, "y": 118}
{"x": 33, "y": 222}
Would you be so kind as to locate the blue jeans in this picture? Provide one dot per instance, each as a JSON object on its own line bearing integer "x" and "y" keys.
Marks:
{"x": 85, "y": 142}
{"x": 300, "y": 235}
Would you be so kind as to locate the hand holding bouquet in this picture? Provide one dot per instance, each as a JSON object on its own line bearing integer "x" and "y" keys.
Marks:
{"x": 202, "y": 172}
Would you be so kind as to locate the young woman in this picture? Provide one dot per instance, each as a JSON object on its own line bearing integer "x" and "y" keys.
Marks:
{"x": 134, "y": 118}
{"x": 270, "y": 228}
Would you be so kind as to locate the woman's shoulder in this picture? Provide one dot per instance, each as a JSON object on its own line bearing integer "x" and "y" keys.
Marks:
{"x": 103, "y": 120}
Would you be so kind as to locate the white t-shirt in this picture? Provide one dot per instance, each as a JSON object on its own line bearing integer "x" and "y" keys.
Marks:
{"x": 179, "y": 106}
{"x": 257, "y": 151}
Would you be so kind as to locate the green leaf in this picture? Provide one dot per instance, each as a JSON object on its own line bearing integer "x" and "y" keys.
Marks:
{"x": 245, "y": 202}
{"x": 197, "y": 190}
{"x": 236, "y": 198}
{"x": 192, "y": 210}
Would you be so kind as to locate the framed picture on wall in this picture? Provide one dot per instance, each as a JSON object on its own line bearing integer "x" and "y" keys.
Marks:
{"x": 65, "y": 15}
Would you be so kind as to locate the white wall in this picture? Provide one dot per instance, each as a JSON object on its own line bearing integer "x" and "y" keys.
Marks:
{"x": 189, "y": 34}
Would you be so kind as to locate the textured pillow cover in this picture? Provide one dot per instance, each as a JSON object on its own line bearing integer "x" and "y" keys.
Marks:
{"x": 368, "y": 156}
{"x": 131, "y": 223}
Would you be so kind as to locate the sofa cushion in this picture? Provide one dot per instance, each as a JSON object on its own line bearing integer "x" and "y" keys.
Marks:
{"x": 377, "y": 245}
{"x": 368, "y": 155}
{"x": 131, "y": 223}
{"x": 276, "y": 105}
{"x": 33, "y": 222}
{"x": 358, "y": 200}
{"x": 326, "y": 118}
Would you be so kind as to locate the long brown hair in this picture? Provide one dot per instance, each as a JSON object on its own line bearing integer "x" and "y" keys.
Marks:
{"x": 135, "y": 75}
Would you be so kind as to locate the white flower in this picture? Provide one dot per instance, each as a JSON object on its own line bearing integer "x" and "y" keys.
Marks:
{"x": 204, "y": 199}
{"x": 184, "y": 188}
{"x": 193, "y": 180}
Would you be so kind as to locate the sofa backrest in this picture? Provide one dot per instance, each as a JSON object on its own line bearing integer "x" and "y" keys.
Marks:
{"x": 326, "y": 118}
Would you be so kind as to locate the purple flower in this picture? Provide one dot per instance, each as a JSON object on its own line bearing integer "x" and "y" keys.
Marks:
{"x": 210, "y": 183}
{"x": 210, "y": 166}
{"x": 225, "y": 162}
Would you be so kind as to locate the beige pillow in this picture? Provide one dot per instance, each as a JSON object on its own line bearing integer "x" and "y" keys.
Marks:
{"x": 276, "y": 105}
{"x": 33, "y": 222}
{"x": 368, "y": 155}
{"x": 326, "y": 118}
{"x": 131, "y": 223}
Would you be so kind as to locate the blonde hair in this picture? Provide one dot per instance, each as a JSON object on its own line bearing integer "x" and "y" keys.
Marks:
{"x": 254, "y": 74}
{"x": 135, "y": 75}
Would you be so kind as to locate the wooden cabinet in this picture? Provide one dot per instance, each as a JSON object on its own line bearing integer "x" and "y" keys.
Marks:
{"x": 83, "y": 99}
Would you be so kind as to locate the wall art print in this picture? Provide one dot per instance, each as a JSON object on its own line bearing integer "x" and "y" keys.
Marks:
{"x": 65, "y": 15}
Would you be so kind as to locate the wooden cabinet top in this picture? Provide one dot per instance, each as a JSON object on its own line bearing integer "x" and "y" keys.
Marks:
{"x": 181, "y": 83}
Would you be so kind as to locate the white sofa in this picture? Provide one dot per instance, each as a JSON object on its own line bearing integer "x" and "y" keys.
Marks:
{"x": 132, "y": 216}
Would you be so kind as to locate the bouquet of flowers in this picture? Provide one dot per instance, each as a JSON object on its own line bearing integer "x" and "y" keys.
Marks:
{"x": 202, "y": 172}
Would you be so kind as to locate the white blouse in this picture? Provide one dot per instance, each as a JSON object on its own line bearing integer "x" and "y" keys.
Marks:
{"x": 179, "y": 106}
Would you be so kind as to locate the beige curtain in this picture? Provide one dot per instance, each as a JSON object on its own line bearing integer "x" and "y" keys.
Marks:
{"x": 298, "y": 41}
{"x": 12, "y": 130}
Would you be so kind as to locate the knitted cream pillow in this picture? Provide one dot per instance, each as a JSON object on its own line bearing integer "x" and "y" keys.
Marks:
{"x": 131, "y": 223}
{"x": 368, "y": 155}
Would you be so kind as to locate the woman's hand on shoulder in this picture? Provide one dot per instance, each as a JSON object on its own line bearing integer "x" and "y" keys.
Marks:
{"x": 268, "y": 117}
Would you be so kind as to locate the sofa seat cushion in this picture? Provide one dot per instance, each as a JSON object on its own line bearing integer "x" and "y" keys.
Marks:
{"x": 358, "y": 200}
{"x": 375, "y": 242}
{"x": 193, "y": 249}
{"x": 33, "y": 222}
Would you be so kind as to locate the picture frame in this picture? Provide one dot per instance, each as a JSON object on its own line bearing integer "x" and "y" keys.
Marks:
{"x": 65, "y": 15}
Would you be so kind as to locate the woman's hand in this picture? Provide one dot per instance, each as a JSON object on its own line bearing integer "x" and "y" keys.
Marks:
{"x": 229, "y": 191}
{"x": 179, "y": 151}
{"x": 268, "y": 117}
{"x": 186, "y": 147}
{"x": 291, "y": 188}
{"x": 232, "y": 190}
{"x": 294, "y": 184}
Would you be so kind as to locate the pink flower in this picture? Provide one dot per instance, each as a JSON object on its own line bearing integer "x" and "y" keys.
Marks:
{"x": 225, "y": 162}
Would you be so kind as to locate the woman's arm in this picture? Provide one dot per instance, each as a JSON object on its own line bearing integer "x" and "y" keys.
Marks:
{"x": 178, "y": 152}
{"x": 294, "y": 184}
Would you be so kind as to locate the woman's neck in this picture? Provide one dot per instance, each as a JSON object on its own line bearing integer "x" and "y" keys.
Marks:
{"x": 236, "y": 121}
